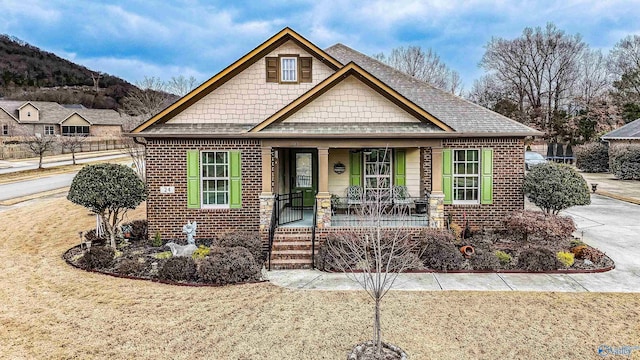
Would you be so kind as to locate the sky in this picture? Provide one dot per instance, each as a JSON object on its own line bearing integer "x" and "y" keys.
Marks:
{"x": 133, "y": 39}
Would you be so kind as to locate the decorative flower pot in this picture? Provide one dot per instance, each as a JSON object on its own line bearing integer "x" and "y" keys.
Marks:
{"x": 467, "y": 251}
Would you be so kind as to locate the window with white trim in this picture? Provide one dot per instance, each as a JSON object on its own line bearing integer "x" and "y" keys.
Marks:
{"x": 5, "y": 129}
{"x": 377, "y": 173}
{"x": 49, "y": 130}
{"x": 214, "y": 167}
{"x": 289, "y": 69}
{"x": 466, "y": 176}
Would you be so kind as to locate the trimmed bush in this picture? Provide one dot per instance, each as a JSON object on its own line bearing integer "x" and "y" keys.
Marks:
{"x": 535, "y": 225}
{"x": 95, "y": 240}
{"x": 139, "y": 230}
{"x": 484, "y": 260}
{"x": 592, "y": 158}
{"x": 235, "y": 265}
{"x": 201, "y": 252}
{"x": 587, "y": 253}
{"x": 326, "y": 259}
{"x": 98, "y": 257}
{"x": 179, "y": 268}
{"x": 439, "y": 253}
{"x": 538, "y": 259}
{"x": 503, "y": 257}
{"x": 625, "y": 162}
{"x": 565, "y": 258}
{"x": 131, "y": 267}
{"x": 246, "y": 239}
{"x": 555, "y": 187}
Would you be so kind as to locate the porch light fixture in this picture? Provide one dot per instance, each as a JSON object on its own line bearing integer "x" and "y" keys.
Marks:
{"x": 366, "y": 151}
{"x": 339, "y": 168}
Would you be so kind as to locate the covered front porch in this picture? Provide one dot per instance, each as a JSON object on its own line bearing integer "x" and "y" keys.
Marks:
{"x": 346, "y": 183}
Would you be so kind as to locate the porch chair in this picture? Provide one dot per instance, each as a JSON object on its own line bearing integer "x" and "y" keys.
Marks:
{"x": 354, "y": 197}
{"x": 402, "y": 199}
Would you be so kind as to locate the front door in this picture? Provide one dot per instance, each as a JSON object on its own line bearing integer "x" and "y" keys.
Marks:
{"x": 304, "y": 175}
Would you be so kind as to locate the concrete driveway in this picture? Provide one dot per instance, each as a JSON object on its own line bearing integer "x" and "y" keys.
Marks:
{"x": 611, "y": 225}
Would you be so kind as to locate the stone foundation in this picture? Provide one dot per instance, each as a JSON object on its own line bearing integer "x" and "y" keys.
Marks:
{"x": 436, "y": 211}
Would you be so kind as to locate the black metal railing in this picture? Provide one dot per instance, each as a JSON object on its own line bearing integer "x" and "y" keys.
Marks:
{"x": 272, "y": 227}
{"x": 313, "y": 233}
{"x": 290, "y": 207}
{"x": 358, "y": 212}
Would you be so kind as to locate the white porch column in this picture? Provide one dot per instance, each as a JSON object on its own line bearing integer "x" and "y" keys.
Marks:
{"x": 436, "y": 198}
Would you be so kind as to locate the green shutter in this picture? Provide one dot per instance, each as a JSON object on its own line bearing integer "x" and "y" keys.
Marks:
{"x": 193, "y": 179}
{"x": 486, "y": 186}
{"x": 400, "y": 168}
{"x": 235, "y": 180}
{"x": 355, "y": 166}
{"x": 447, "y": 178}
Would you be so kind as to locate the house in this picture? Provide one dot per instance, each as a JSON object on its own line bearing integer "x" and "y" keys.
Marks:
{"x": 627, "y": 134}
{"x": 291, "y": 133}
{"x": 22, "y": 118}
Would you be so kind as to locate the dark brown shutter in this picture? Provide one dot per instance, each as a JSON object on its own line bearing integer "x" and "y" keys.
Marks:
{"x": 305, "y": 69}
{"x": 272, "y": 69}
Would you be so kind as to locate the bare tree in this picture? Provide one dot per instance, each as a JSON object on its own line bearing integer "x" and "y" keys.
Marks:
{"x": 39, "y": 144}
{"x": 374, "y": 255}
{"x": 137, "y": 152}
{"x": 148, "y": 98}
{"x": 423, "y": 65}
{"x": 625, "y": 65}
{"x": 73, "y": 144}
{"x": 181, "y": 85}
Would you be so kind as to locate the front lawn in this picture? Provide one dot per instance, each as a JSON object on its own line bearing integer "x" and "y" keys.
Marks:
{"x": 51, "y": 310}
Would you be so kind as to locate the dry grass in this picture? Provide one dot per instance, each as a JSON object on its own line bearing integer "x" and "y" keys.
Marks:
{"x": 50, "y": 310}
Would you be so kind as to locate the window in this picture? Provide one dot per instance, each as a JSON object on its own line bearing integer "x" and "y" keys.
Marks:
{"x": 377, "y": 173}
{"x": 49, "y": 130}
{"x": 28, "y": 113}
{"x": 466, "y": 176}
{"x": 289, "y": 69}
{"x": 5, "y": 129}
{"x": 75, "y": 130}
{"x": 215, "y": 178}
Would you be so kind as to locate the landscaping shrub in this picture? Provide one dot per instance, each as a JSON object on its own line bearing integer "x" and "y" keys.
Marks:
{"x": 537, "y": 259}
{"x": 592, "y": 158}
{"x": 327, "y": 259}
{"x": 439, "y": 253}
{"x": 565, "y": 258}
{"x": 554, "y": 187}
{"x": 131, "y": 267}
{"x": 246, "y": 239}
{"x": 157, "y": 240}
{"x": 201, "y": 252}
{"x": 503, "y": 258}
{"x": 535, "y": 225}
{"x": 179, "y": 268}
{"x": 139, "y": 230}
{"x": 484, "y": 260}
{"x": 98, "y": 257}
{"x": 578, "y": 250}
{"x": 587, "y": 253}
{"x": 95, "y": 240}
{"x": 624, "y": 163}
{"x": 235, "y": 265}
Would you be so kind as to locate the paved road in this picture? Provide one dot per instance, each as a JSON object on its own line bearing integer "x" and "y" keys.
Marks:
{"x": 611, "y": 225}
{"x": 33, "y": 164}
{"x": 29, "y": 187}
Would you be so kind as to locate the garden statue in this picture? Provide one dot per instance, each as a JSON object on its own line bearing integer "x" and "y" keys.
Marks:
{"x": 181, "y": 250}
{"x": 190, "y": 230}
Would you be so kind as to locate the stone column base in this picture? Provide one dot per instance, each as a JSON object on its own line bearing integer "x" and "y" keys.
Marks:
{"x": 266, "y": 209}
{"x": 436, "y": 210}
{"x": 323, "y": 214}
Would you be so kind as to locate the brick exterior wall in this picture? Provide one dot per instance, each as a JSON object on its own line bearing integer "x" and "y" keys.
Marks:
{"x": 508, "y": 176}
{"x": 167, "y": 166}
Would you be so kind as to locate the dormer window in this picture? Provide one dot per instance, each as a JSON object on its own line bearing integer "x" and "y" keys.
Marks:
{"x": 289, "y": 69}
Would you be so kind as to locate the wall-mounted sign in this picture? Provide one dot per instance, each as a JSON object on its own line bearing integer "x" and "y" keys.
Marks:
{"x": 167, "y": 189}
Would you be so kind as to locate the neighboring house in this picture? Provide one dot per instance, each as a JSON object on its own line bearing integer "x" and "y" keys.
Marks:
{"x": 627, "y": 134}
{"x": 22, "y": 118}
{"x": 289, "y": 119}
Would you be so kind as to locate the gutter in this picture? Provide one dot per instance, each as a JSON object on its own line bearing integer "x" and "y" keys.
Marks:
{"x": 438, "y": 135}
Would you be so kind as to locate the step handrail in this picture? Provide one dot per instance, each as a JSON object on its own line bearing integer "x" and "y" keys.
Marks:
{"x": 272, "y": 226}
{"x": 313, "y": 232}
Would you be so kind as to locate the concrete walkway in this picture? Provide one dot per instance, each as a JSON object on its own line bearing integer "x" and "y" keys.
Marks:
{"x": 612, "y": 226}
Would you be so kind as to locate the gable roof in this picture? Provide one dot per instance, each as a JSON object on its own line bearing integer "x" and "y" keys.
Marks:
{"x": 229, "y": 72}
{"x": 629, "y": 131}
{"x": 461, "y": 115}
{"x": 54, "y": 113}
{"x": 351, "y": 69}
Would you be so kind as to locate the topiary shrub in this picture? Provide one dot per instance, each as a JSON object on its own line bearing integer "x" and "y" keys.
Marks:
{"x": 139, "y": 230}
{"x": 555, "y": 187}
{"x": 98, "y": 257}
{"x": 535, "y": 225}
{"x": 131, "y": 267}
{"x": 625, "y": 162}
{"x": 538, "y": 259}
{"x": 439, "y": 253}
{"x": 503, "y": 257}
{"x": 565, "y": 258}
{"x": 246, "y": 239}
{"x": 156, "y": 241}
{"x": 235, "y": 265}
{"x": 484, "y": 260}
{"x": 179, "y": 268}
{"x": 592, "y": 158}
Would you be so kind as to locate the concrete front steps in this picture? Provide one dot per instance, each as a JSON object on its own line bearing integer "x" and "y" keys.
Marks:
{"x": 291, "y": 249}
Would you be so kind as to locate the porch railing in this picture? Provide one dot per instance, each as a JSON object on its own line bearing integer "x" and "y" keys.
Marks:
{"x": 272, "y": 228}
{"x": 290, "y": 207}
{"x": 354, "y": 212}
